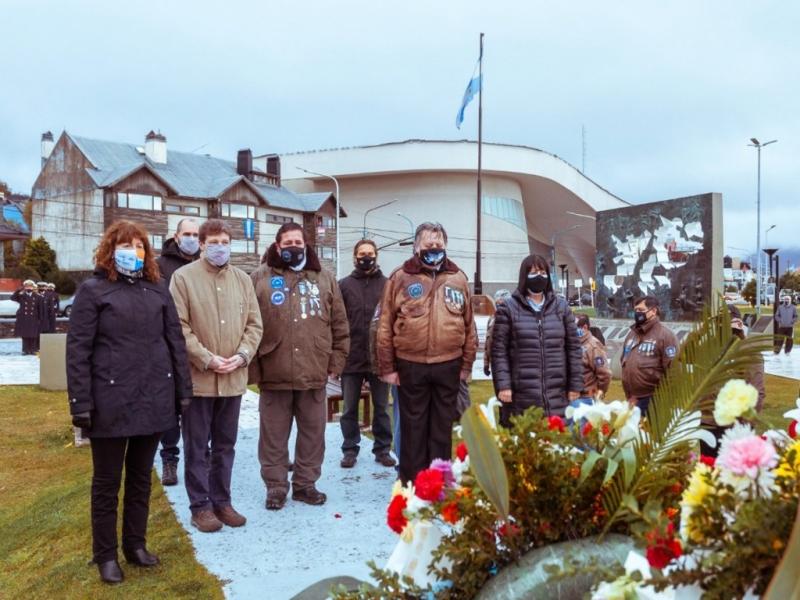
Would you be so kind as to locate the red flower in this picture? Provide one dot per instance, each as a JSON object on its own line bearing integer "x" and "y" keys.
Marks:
{"x": 793, "y": 429}
{"x": 508, "y": 530}
{"x": 708, "y": 460}
{"x": 556, "y": 423}
{"x": 662, "y": 549}
{"x": 394, "y": 514}
{"x": 605, "y": 429}
{"x": 676, "y": 488}
{"x": 450, "y": 513}
{"x": 429, "y": 484}
{"x": 461, "y": 451}
{"x": 586, "y": 429}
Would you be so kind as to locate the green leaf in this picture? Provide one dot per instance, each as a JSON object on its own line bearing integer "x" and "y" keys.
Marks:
{"x": 628, "y": 463}
{"x": 485, "y": 460}
{"x": 588, "y": 465}
{"x": 630, "y": 503}
{"x": 611, "y": 468}
{"x": 785, "y": 582}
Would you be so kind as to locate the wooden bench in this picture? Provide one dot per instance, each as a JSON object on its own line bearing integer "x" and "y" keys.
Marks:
{"x": 334, "y": 394}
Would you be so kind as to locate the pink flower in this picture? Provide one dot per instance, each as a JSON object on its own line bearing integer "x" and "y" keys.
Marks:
{"x": 446, "y": 467}
{"x": 746, "y": 456}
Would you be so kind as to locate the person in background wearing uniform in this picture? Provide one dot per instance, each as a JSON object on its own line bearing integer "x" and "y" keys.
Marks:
{"x": 306, "y": 340}
{"x": 222, "y": 325}
{"x": 51, "y": 304}
{"x": 127, "y": 377}
{"x": 361, "y": 293}
{"x": 178, "y": 251}
{"x": 648, "y": 350}
{"x": 500, "y": 297}
{"x": 28, "y": 323}
{"x": 785, "y": 318}
{"x": 426, "y": 345}
{"x": 536, "y": 353}
{"x": 596, "y": 372}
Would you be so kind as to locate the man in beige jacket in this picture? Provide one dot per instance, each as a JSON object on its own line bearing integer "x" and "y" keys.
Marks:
{"x": 221, "y": 322}
{"x": 306, "y": 341}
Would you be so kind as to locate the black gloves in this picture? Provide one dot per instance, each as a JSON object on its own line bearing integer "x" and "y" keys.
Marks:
{"x": 486, "y": 370}
{"x": 182, "y": 404}
{"x": 82, "y": 420}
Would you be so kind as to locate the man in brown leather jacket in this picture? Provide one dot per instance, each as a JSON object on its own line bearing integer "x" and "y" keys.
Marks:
{"x": 649, "y": 349}
{"x": 426, "y": 344}
{"x": 306, "y": 339}
{"x": 596, "y": 372}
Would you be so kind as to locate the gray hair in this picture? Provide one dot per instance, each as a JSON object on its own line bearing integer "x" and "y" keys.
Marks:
{"x": 432, "y": 228}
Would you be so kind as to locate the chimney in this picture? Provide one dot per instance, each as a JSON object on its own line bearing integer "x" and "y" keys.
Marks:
{"x": 47, "y": 145}
{"x": 244, "y": 163}
{"x": 155, "y": 147}
{"x": 274, "y": 167}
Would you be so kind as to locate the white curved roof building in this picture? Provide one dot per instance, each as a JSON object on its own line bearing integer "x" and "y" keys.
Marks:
{"x": 531, "y": 197}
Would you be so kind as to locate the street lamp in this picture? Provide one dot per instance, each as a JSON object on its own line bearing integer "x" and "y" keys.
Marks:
{"x": 364, "y": 225}
{"x": 758, "y": 145}
{"x": 553, "y": 247}
{"x": 410, "y": 224}
{"x": 766, "y": 242}
{"x": 338, "y": 210}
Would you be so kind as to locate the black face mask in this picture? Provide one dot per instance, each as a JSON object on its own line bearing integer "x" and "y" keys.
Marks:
{"x": 537, "y": 284}
{"x": 365, "y": 263}
{"x": 640, "y": 318}
{"x": 432, "y": 258}
{"x": 293, "y": 255}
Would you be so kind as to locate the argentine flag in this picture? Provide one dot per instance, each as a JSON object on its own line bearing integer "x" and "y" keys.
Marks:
{"x": 473, "y": 87}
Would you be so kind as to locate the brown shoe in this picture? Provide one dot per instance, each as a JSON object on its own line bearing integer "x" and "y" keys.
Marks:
{"x": 229, "y": 516}
{"x": 169, "y": 474}
{"x": 348, "y": 460}
{"x": 309, "y": 495}
{"x": 385, "y": 459}
{"x": 276, "y": 499}
{"x": 206, "y": 521}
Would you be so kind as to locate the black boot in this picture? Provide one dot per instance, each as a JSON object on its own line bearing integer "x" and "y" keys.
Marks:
{"x": 110, "y": 571}
{"x": 141, "y": 557}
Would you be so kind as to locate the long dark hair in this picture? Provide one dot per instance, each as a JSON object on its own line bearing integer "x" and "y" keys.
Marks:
{"x": 538, "y": 261}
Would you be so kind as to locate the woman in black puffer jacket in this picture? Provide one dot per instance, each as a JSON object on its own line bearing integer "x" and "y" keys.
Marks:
{"x": 536, "y": 353}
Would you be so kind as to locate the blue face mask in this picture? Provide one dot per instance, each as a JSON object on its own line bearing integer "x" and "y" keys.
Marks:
{"x": 432, "y": 258}
{"x": 581, "y": 332}
{"x": 188, "y": 244}
{"x": 218, "y": 254}
{"x": 127, "y": 261}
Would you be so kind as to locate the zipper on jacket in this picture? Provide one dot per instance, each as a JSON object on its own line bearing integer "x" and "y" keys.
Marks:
{"x": 541, "y": 352}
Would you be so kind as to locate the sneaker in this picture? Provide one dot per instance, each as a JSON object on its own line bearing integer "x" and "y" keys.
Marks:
{"x": 169, "y": 474}
{"x": 206, "y": 521}
{"x": 310, "y": 495}
{"x": 229, "y": 516}
{"x": 348, "y": 460}
{"x": 385, "y": 459}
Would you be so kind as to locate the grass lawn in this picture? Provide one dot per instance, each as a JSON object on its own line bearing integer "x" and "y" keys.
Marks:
{"x": 45, "y": 532}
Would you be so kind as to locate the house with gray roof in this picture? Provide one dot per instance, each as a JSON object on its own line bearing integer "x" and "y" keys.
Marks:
{"x": 86, "y": 184}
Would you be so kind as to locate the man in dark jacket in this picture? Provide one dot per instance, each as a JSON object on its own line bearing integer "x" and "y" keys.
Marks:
{"x": 305, "y": 341}
{"x": 361, "y": 292}
{"x": 647, "y": 353}
{"x": 52, "y": 303}
{"x": 28, "y": 322}
{"x": 179, "y": 250}
{"x": 536, "y": 353}
{"x": 785, "y": 318}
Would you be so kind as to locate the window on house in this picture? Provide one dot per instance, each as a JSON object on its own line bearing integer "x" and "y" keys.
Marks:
{"x": 326, "y": 252}
{"x": 138, "y": 201}
{"x": 191, "y": 210}
{"x": 329, "y": 222}
{"x": 243, "y": 246}
{"x": 238, "y": 211}
{"x": 172, "y": 208}
{"x": 156, "y": 241}
{"x": 273, "y": 218}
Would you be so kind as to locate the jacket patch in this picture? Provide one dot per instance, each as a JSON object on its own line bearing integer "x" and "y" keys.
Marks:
{"x": 670, "y": 351}
{"x": 454, "y": 298}
{"x": 415, "y": 290}
{"x": 278, "y": 298}
{"x": 647, "y": 348}
{"x": 599, "y": 361}
{"x": 276, "y": 283}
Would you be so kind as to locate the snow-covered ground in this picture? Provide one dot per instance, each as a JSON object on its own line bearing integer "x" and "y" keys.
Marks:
{"x": 16, "y": 369}
{"x": 279, "y": 553}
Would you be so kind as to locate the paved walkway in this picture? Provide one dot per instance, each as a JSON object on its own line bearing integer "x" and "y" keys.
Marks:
{"x": 16, "y": 369}
{"x": 279, "y": 553}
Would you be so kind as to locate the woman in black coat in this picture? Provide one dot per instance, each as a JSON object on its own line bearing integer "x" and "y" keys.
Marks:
{"x": 536, "y": 352}
{"x": 127, "y": 376}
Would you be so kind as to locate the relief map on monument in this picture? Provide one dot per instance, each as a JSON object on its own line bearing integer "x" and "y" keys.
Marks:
{"x": 662, "y": 249}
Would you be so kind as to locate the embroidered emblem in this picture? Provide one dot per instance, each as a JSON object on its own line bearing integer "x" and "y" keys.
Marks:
{"x": 415, "y": 290}
{"x": 670, "y": 351}
{"x": 454, "y": 297}
{"x": 278, "y": 298}
{"x": 276, "y": 283}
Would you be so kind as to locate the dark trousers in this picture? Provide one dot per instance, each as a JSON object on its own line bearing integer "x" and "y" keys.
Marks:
{"x": 381, "y": 424}
{"x": 30, "y": 345}
{"x": 718, "y": 432}
{"x": 277, "y": 409}
{"x": 108, "y": 457}
{"x": 169, "y": 445}
{"x": 428, "y": 396}
{"x": 396, "y": 417}
{"x": 784, "y": 336}
{"x": 207, "y": 475}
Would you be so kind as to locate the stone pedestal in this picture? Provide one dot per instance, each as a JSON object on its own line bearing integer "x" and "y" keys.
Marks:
{"x": 53, "y": 361}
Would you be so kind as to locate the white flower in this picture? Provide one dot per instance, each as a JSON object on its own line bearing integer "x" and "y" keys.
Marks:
{"x": 459, "y": 468}
{"x": 488, "y": 411}
{"x": 736, "y": 398}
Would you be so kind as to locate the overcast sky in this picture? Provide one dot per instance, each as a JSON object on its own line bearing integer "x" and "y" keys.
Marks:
{"x": 669, "y": 92}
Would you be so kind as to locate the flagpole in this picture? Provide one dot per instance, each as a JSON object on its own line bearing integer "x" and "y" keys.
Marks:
{"x": 478, "y": 281}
